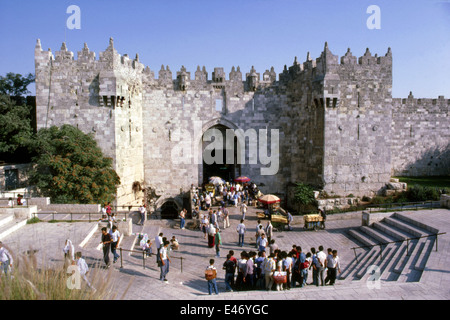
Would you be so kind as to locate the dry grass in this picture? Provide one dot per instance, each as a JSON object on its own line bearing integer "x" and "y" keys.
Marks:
{"x": 32, "y": 281}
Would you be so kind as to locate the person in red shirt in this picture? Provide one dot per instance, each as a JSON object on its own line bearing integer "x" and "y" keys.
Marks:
{"x": 232, "y": 258}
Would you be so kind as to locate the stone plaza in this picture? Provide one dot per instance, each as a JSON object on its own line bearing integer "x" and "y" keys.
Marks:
{"x": 424, "y": 274}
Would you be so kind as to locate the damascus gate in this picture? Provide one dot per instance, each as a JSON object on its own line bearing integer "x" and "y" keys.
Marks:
{"x": 330, "y": 122}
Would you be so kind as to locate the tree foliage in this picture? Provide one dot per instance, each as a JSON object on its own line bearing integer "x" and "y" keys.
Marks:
{"x": 15, "y": 131}
{"x": 16, "y": 128}
{"x": 71, "y": 168}
{"x": 15, "y": 85}
{"x": 304, "y": 194}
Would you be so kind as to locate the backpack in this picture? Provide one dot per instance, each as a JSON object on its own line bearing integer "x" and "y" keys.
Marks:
{"x": 210, "y": 274}
{"x": 305, "y": 265}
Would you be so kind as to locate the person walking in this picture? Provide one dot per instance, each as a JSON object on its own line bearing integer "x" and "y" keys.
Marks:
{"x": 323, "y": 214}
{"x": 143, "y": 212}
{"x": 83, "y": 268}
{"x": 115, "y": 238}
{"x": 226, "y": 218}
{"x": 106, "y": 242}
{"x": 211, "y": 275}
{"x": 217, "y": 242}
{"x": 211, "y": 236}
{"x": 243, "y": 210}
{"x": 230, "y": 268}
{"x": 183, "y": 218}
{"x": 164, "y": 261}
{"x": 241, "y": 231}
{"x": 269, "y": 231}
{"x": 6, "y": 259}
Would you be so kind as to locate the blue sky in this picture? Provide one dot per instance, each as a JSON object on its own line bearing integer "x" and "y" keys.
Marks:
{"x": 260, "y": 33}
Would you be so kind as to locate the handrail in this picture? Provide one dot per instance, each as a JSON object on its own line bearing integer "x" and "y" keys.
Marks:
{"x": 397, "y": 241}
{"x": 143, "y": 257}
{"x": 53, "y": 213}
{"x": 401, "y": 205}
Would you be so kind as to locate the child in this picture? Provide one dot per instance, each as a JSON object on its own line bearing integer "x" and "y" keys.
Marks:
{"x": 83, "y": 268}
{"x": 147, "y": 248}
{"x": 174, "y": 243}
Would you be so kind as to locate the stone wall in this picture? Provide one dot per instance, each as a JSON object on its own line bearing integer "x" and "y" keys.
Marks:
{"x": 338, "y": 127}
{"x": 420, "y": 137}
{"x": 102, "y": 97}
{"x": 357, "y": 95}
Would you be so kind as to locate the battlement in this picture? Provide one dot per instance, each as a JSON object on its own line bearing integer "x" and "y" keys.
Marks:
{"x": 421, "y": 104}
{"x": 328, "y": 62}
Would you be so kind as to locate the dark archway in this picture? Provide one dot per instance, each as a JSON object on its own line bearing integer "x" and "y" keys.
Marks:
{"x": 227, "y": 169}
{"x": 169, "y": 210}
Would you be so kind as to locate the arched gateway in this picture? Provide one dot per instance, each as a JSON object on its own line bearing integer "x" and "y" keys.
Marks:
{"x": 219, "y": 150}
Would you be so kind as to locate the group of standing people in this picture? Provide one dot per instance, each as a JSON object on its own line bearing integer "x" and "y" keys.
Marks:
{"x": 279, "y": 270}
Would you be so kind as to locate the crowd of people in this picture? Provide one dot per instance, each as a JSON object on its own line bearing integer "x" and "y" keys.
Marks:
{"x": 275, "y": 269}
{"x": 229, "y": 192}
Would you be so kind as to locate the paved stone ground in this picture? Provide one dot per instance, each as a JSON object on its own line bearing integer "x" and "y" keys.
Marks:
{"x": 190, "y": 284}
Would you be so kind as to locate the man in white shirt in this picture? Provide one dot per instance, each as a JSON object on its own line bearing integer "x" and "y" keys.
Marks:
{"x": 269, "y": 268}
{"x": 243, "y": 210}
{"x": 165, "y": 261}
{"x": 333, "y": 265}
{"x": 241, "y": 231}
{"x": 158, "y": 244}
{"x": 5, "y": 258}
{"x": 321, "y": 256}
{"x": 115, "y": 236}
{"x": 262, "y": 243}
{"x": 143, "y": 212}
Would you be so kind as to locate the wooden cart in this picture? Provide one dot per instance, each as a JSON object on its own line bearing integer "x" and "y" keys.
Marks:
{"x": 313, "y": 221}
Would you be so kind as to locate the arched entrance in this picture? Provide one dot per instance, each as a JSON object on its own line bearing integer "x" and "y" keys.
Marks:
{"x": 169, "y": 210}
{"x": 219, "y": 157}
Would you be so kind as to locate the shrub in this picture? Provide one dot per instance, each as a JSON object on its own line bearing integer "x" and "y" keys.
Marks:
{"x": 422, "y": 193}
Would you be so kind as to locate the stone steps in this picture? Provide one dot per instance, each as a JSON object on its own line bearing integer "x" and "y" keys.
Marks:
{"x": 401, "y": 261}
{"x": 8, "y": 224}
{"x": 399, "y": 251}
{"x": 402, "y": 225}
{"x": 408, "y": 272}
{"x": 379, "y": 236}
{"x": 424, "y": 255}
{"x": 392, "y": 231}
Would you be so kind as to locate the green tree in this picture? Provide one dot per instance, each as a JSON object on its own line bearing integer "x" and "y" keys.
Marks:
{"x": 15, "y": 85}
{"x": 304, "y": 194}
{"x": 15, "y": 131}
{"x": 71, "y": 168}
{"x": 16, "y": 127}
